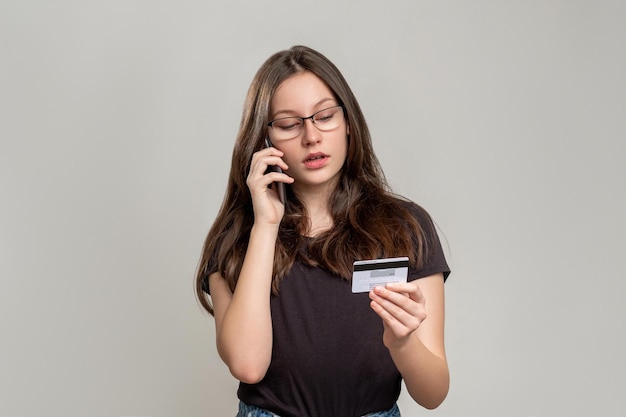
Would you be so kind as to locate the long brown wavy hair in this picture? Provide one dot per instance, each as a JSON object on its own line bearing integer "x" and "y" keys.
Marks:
{"x": 369, "y": 221}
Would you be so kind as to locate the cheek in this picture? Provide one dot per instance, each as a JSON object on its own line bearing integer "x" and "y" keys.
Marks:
{"x": 289, "y": 156}
{"x": 344, "y": 147}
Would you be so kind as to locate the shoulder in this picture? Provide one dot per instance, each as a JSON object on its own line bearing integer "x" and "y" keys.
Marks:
{"x": 427, "y": 238}
{"x": 416, "y": 211}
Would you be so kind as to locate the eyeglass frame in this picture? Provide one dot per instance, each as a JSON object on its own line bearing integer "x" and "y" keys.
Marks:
{"x": 311, "y": 118}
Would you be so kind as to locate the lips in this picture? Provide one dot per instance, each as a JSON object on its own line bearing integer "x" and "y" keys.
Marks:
{"x": 315, "y": 160}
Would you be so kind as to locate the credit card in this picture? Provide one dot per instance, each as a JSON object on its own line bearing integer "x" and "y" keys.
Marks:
{"x": 377, "y": 272}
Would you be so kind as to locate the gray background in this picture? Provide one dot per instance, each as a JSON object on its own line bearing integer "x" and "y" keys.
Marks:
{"x": 505, "y": 119}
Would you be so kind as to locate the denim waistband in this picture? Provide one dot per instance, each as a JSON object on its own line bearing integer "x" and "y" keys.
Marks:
{"x": 246, "y": 410}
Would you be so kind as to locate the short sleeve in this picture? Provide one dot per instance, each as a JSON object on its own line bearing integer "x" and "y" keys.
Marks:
{"x": 435, "y": 260}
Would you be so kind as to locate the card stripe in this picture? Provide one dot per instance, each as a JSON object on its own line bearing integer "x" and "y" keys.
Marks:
{"x": 381, "y": 265}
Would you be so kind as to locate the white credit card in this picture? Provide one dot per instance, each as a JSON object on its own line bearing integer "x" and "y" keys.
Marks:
{"x": 377, "y": 272}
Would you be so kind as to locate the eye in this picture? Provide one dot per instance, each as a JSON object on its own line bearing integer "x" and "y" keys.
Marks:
{"x": 325, "y": 116}
{"x": 288, "y": 123}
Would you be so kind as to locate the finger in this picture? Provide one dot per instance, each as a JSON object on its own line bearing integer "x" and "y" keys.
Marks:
{"x": 265, "y": 153}
{"x": 397, "y": 305}
{"x": 388, "y": 318}
{"x": 391, "y": 323}
{"x": 399, "y": 296}
{"x": 278, "y": 177}
{"x": 404, "y": 309}
{"x": 384, "y": 314}
{"x": 261, "y": 172}
{"x": 275, "y": 161}
{"x": 412, "y": 289}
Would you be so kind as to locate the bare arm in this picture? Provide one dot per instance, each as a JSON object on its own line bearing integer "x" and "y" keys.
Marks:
{"x": 413, "y": 317}
{"x": 242, "y": 318}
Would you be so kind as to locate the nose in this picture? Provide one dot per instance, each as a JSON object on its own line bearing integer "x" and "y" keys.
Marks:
{"x": 311, "y": 134}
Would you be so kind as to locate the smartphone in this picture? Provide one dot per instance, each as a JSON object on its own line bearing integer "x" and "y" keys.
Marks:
{"x": 280, "y": 186}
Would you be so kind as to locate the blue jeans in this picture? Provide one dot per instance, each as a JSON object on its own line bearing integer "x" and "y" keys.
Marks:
{"x": 246, "y": 410}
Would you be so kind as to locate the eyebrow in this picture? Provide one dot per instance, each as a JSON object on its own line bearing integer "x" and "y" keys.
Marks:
{"x": 291, "y": 113}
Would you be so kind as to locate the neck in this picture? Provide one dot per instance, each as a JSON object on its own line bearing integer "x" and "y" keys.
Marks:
{"x": 315, "y": 201}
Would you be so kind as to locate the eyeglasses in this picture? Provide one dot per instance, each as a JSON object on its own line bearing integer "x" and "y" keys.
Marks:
{"x": 291, "y": 127}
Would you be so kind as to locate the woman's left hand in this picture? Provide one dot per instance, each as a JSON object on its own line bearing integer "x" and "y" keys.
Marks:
{"x": 402, "y": 307}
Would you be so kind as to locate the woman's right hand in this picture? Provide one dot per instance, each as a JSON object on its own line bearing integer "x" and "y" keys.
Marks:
{"x": 266, "y": 204}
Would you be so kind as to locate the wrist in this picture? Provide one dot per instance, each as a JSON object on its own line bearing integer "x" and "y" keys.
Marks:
{"x": 403, "y": 345}
{"x": 262, "y": 228}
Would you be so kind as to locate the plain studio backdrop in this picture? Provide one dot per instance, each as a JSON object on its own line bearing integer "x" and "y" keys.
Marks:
{"x": 504, "y": 119}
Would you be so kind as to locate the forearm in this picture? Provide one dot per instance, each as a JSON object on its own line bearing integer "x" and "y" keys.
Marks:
{"x": 425, "y": 374}
{"x": 245, "y": 334}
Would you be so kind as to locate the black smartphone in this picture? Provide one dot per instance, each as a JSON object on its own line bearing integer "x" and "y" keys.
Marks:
{"x": 280, "y": 186}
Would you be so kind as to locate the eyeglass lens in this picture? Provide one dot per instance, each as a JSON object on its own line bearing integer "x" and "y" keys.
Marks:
{"x": 290, "y": 127}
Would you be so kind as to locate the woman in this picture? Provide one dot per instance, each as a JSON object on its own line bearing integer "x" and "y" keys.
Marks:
{"x": 288, "y": 326}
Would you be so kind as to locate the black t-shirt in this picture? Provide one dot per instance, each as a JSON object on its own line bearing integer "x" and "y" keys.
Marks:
{"x": 328, "y": 357}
